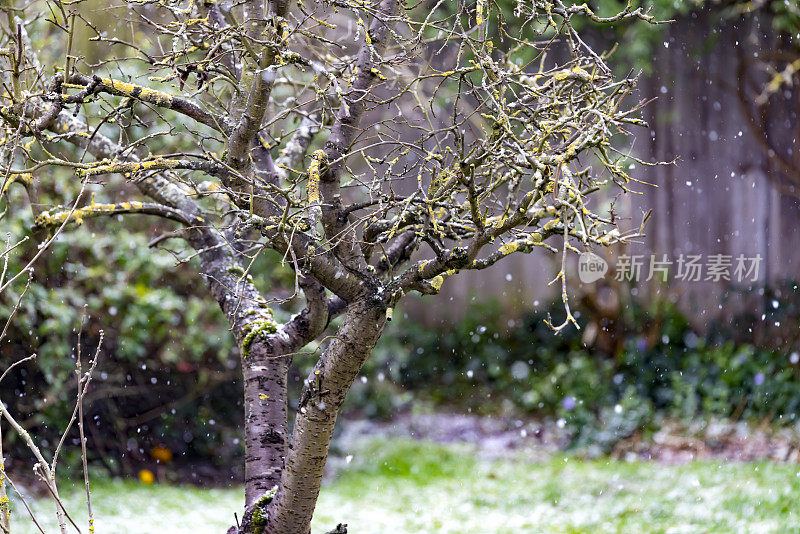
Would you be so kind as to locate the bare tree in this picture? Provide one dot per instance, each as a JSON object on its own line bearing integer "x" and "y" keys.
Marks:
{"x": 378, "y": 147}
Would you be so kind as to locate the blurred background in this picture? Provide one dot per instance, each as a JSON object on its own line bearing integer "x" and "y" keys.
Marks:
{"x": 671, "y": 370}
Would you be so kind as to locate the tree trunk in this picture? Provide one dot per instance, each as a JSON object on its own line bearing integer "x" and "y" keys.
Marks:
{"x": 265, "y": 421}
{"x": 325, "y": 390}
{"x": 264, "y": 367}
{"x": 267, "y": 350}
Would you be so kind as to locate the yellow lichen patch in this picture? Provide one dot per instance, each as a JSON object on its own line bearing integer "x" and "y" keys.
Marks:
{"x": 189, "y": 22}
{"x": 509, "y": 248}
{"x": 549, "y": 225}
{"x": 535, "y": 238}
{"x": 145, "y": 94}
{"x": 156, "y": 97}
{"x": 479, "y": 11}
{"x": 497, "y": 221}
{"x": 437, "y": 281}
{"x": 367, "y": 36}
{"x": 575, "y": 72}
{"x": 314, "y": 174}
{"x": 47, "y": 219}
{"x": 119, "y": 85}
{"x": 129, "y": 167}
{"x": 324, "y": 23}
{"x": 23, "y": 178}
{"x": 579, "y": 71}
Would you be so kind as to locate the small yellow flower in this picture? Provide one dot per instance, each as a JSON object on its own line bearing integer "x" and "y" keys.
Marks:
{"x": 146, "y": 476}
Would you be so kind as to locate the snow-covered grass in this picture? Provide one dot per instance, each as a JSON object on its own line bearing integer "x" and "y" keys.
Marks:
{"x": 417, "y": 487}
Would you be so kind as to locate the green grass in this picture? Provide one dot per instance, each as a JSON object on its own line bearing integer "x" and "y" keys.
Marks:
{"x": 409, "y": 487}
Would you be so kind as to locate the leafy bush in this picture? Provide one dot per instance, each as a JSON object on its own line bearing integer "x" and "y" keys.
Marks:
{"x": 488, "y": 363}
{"x": 167, "y": 375}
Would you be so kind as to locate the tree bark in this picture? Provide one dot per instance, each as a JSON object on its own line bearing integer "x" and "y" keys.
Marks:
{"x": 265, "y": 362}
{"x": 266, "y": 428}
{"x": 326, "y": 386}
{"x": 264, "y": 367}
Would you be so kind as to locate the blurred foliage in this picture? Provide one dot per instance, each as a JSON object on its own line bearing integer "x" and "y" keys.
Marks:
{"x": 168, "y": 369}
{"x": 488, "y": 363}
{"x": 771, "y": 319}
{"x": 168, "y": 373}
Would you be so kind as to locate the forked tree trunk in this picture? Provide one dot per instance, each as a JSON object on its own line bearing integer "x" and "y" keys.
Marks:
{"x": 267, "y": 350}
{"x": 326, "y": 386}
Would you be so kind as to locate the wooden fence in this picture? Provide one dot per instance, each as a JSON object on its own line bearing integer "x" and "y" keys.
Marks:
{"x": 717, "y": 198}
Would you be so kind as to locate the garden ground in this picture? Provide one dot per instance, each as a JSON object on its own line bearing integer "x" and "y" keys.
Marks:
{"x": 401, "y": 486}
